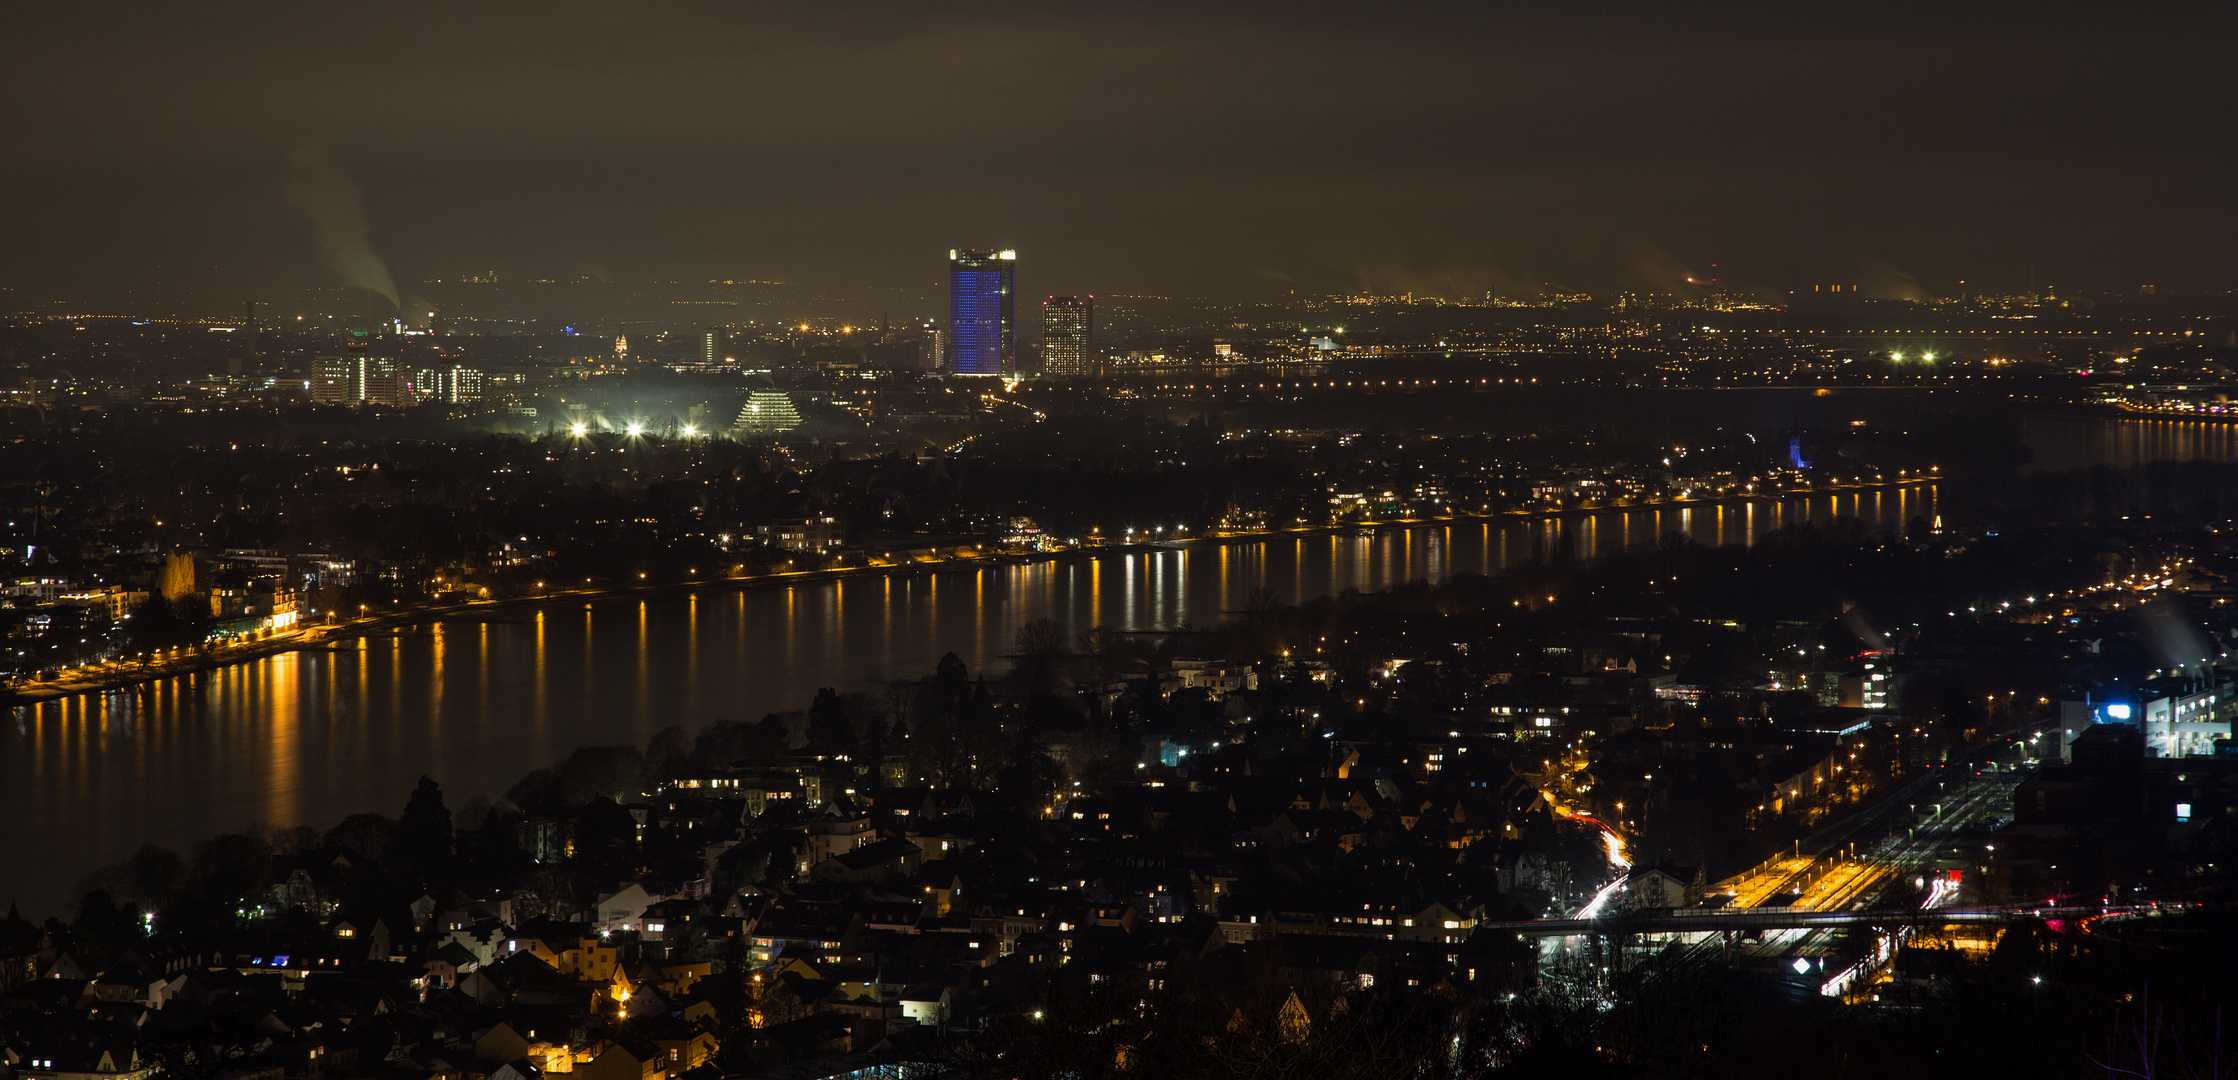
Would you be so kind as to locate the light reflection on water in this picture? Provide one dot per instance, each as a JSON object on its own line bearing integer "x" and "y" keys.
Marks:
{"x": 311, "y": 737}
{"x": 2074, "y": 442}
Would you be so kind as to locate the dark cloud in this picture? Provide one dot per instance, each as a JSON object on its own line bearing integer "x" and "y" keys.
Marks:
{"x": 1124, "y": 147}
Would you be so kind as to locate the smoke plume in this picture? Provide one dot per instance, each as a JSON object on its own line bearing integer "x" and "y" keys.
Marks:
{"x": 337, "y": 209}
{"x": 1883, "y": 281}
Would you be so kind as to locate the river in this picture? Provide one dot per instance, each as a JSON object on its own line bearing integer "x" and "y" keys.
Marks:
{"x": 309, "y": 737}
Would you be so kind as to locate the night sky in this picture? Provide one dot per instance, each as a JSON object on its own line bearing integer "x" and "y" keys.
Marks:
{"x": 1123, "y": 148}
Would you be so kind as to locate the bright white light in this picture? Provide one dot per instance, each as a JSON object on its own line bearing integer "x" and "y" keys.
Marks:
{"x": 1601, "y": 899}
{"x": 637, "y": 429}
{"x": 2117, "y": 712}
{"x": 578, "y": 430}
{"x": 690, "y": 430}
{"x": 1801, "y": 965}
{"x": 1615, "y": 849}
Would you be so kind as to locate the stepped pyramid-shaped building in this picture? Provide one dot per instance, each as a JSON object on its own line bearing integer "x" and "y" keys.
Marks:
{"x": 767, "y": 413}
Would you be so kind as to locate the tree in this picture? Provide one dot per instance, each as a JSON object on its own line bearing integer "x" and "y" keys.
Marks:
{"x": 873, "y": 755}
{"x": 951, "y": 682}
{"x": 230, "y": 875}
{"x": 605, "y": 845}
{"x": 1032, "y": 776}
{"x": 370, "y": 837}
{"x": 103, "y": 929}
{"x": 669, "y": 751}
{"x": 688, "y": 946}
{"x": 617, "y": 772}
{"x": 1036, "y": 647}
{"x": 158, "y": 623}
{"x": 153, "y": 874}
{"x": 773, "y": 735}
{"x": 828, "y": 725}
{"x": 537, "y": 793}
{"x": 424, "y": 834}
{"x": 496, "y": 860}
{"x": 725, "y": 741}
{"x": 901, "y": 699}
{"x": 18, "y": 935}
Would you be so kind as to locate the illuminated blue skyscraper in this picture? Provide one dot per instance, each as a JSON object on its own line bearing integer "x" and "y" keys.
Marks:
{"x": 982, "y": 312}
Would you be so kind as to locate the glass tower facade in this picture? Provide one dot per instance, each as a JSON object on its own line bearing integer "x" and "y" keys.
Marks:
{"x": 982, "y": 312}
{"x": 1068, "y": 328}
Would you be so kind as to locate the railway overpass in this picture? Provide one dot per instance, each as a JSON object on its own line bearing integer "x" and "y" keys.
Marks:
{"x": 1775, "y": 918}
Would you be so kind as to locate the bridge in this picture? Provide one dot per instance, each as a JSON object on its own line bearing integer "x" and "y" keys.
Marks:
{"x": 1774, "y": 918}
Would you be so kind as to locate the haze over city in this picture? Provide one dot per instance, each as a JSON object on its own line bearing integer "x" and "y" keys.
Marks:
{"x": 931, "y": 542}
{"x": 1236, "y": 152}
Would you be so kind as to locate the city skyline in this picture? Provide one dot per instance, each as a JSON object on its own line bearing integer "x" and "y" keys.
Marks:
{"x": 1520, "y": 540}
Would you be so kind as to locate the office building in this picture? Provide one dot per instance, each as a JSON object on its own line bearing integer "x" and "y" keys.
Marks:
{"x": 1068, "y": 337}
{"x": 454, "y": 385}
{"x": 982, "y": 312}
{"x": 2186, "y": 720}
{"x": 767, "y": 413}
{"x": 357, "y": 378}
{"x": 711, "y": 348}
{"x": 333, "y": 380}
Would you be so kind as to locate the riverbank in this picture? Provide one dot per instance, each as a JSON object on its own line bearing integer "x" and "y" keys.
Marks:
{"x": 189, "y": 662}
{"x": 118, "y": 675}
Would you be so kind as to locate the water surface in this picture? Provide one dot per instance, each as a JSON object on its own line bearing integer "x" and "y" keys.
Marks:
{"x": 309, "y": 737}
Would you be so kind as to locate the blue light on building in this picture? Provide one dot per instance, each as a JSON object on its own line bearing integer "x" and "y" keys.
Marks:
{"x": 982, "y": 302}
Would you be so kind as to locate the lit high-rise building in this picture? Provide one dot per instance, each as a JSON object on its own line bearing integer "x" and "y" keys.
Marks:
{"x": 334, "y": 380}
{"x": 711, "y": 348}
{"x": 766, "y": 414}
{"x": 1068, "y": 337}
{"x": 982, "y": 312}
{"x": 454, "y": 385}
{"x": 358, "y": 378}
